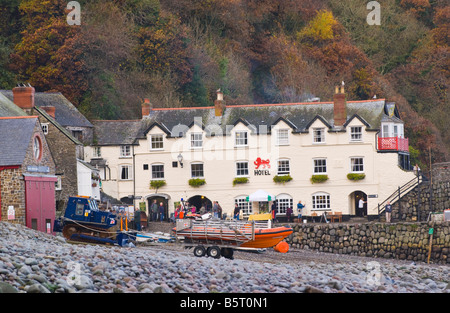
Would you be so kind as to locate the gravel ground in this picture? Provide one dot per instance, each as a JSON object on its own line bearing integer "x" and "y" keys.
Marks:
{"x": 34, "y": 262}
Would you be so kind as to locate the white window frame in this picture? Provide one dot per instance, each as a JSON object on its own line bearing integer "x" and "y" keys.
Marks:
{"x": 241, "y": 138}
{"x": 96, "y": 152}
{"x": 282, "y": 168}
{"x": 283, "y": 137}
{"x": 156, "y": 172}
{"x": 356, "y": 167}
{"x": 317, "y": 166}
{"x": 318, "y": 135}
{"x": 202, "y": 170}
{"x": 196, "y": 140}
{"x": 44, "y": 128}
{"x": 321, "y": 201}
{"x": 242, "y": 169}
{"x": 245, "y": 206}
{"x": 356, "y": 133}
{"x": 156, "y": 142}
{"x": 125, "y": 151}
{"x": 284, "y": 201}
{"x": 58, "y": 183}
{"x": 128, "y": 171}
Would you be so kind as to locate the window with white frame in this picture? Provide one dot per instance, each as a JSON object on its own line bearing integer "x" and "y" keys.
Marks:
{"x": 357, "y": 165}
{"x": 284, "y": 201}
{"x": 321, "y": 201}
{"x": 282, "y": 136}
{"x": 157, "y": 142}
{"x": 318, "y": 135}
{"x": 241, "y": 139}
{"x": 157, "y": 171}
{"x": 58, "y": 183}
{"x": 244, "y": 206}
{"x": 45, "y": 128}
{"x": 96, "y": 152}
{"x": 320, "y": 166}
{"x": 125, "y": 151}
{"x": 126, "y": 172}
{"x": 356, "y": 133}
{"x": 242, "y": 168}
{"x": 197, "y": 170}
{"x": 283, "y": 167}
{"x": 196, "y": 140}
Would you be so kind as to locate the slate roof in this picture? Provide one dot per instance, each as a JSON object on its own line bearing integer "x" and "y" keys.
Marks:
{"x": 66, "y": 113}
{"x": 299, "y": 116}
{"x": 13, "y": 143}
{"x": 8, "y": 108}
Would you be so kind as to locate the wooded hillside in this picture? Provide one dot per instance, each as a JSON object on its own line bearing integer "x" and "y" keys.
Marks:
{"x": 179, "y": 52}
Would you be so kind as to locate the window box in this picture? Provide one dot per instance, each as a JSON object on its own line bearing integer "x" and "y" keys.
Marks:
{"x": 355, "y": 176}
{"x": 240, "y": 180}
{"x": 318, "y": 178}
{"x": 156, "y": 184}
{"x": 196, "y": 182}
{"x": 282, "y": 178}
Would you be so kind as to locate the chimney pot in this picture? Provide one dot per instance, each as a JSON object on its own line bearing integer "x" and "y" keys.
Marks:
{"x": 219, "y": 104}
{"x": 340, "y": 107}
{"x": 23, "y": 97}
{"x": 50, "y": 110}
{"x": 146, "y": 108}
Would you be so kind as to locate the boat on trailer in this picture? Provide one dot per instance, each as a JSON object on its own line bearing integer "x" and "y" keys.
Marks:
{"x": 216, "y": 237}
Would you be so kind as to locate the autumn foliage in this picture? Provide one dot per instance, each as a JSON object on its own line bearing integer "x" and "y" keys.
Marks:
{"x": 179, "y": 52}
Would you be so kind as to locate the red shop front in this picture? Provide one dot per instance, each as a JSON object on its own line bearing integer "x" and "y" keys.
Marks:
{"x": 40, "y": 202}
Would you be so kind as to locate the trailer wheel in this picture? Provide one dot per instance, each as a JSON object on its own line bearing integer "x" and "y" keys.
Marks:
{"x": 227, "y": 253}
{"x": 199, "y": 251}
{"x": 213, "y": 252}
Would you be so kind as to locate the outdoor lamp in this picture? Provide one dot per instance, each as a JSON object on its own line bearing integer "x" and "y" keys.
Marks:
{"x": 180, "y": 159}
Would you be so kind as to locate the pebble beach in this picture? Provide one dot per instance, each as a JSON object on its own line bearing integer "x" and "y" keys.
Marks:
{"x": 35, "y": 262}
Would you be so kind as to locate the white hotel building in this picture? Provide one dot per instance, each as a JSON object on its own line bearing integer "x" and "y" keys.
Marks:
{"x": 222, "y": 145}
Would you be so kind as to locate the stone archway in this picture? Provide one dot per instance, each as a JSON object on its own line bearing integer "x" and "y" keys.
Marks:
{"x": 158, "y": 198}
{"x": 198, "y": 201}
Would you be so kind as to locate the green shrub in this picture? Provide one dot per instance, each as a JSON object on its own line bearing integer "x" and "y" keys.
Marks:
{"x": 157, "y": 183}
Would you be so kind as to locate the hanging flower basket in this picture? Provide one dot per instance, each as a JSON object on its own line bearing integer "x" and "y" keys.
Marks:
{"x": 157, "y": 183}
{"x": 318, "y": 178}
{"x": 196, "y": 182}
{"x": 356, "y": 176}
{"x": 240, "y": 180}
{"x": 282, "y": 178}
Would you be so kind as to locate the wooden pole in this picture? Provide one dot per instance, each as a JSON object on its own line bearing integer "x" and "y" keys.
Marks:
{"x": 431, "y": 243}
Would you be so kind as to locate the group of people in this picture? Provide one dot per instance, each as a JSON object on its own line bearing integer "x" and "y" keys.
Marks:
{"x": 157, "y": 212}
{"x": 289, "y": 211}
{"x": 185, "y": 208}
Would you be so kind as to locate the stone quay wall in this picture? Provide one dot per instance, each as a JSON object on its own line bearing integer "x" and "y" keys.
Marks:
{"x": 404, "y": 241}
{"x": 429, "y": 199}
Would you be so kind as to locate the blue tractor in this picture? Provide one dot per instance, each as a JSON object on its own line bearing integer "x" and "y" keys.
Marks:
{"x": 84, "y": 222}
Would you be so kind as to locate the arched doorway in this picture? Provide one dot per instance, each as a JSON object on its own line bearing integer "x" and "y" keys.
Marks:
{"x": 358, "y": 203}
{"x": 198, "y": 201}
{"x": 158, "y": 198}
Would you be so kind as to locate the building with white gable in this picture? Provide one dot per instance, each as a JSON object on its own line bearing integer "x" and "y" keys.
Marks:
{"x": 329, "y": 155}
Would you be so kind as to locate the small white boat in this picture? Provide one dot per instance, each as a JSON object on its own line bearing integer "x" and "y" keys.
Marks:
{"x": 154, "y": 237}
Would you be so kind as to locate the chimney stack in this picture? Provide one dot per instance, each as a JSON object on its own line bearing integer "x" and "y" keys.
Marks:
{"x": 50, "y": 109}
{"x": 146, "y": 108}
{"x": 340, "y": 106}
{"x": 23, "y": 97}
{"x": 219, "y": 104}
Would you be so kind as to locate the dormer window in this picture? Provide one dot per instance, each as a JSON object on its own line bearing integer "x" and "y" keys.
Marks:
{"x": 283, "y": 137}
{"x": 196, "y": 140}
{"x": 319, "y": 135}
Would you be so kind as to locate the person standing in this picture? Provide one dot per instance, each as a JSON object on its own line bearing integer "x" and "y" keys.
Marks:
{"x": 161, "y": 211}
{"x": 154, "y": 211}
{"x": 274, "y": 211}
{"x": 236, "y": 212}
{"x": 300, "y": 207}
{"x": 289, "y": 214}
{"x": 388, "y": 210}
{"x": 216, "y": 209}
{"x": 137, "y": 219}
{"x": 361, "y": 206}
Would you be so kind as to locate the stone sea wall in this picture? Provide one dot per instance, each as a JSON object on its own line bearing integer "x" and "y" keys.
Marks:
{"x": 405, "y": 241}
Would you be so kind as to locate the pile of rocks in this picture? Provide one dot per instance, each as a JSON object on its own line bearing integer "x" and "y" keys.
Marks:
{"x": 404, "y": 241}
{"x": 32, "y": 261}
